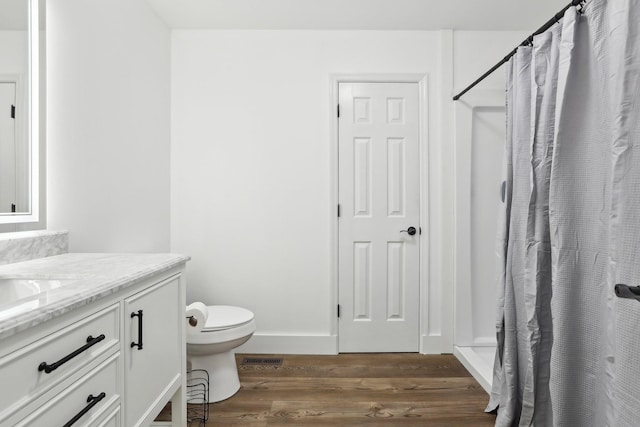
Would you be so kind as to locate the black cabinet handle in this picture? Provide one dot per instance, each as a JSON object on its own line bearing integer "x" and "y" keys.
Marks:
{"x": 91, "y": 341}
{"x": 139, "y": 343}
{"x": 92, "y": 401}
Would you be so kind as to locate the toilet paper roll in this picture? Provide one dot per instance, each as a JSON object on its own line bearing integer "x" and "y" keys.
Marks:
{"x": 197, "y": 314}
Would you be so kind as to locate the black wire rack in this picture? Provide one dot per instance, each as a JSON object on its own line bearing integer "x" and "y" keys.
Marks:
{"x": 197, "y": 397}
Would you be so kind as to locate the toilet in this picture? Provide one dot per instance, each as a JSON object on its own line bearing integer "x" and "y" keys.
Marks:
{"x": 212, "y": 348}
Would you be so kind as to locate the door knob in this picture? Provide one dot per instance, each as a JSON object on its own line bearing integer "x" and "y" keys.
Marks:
{"x": 410, "y": 231}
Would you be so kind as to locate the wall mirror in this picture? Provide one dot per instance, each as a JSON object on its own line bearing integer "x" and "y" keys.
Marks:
{"x": 21, "y": 32}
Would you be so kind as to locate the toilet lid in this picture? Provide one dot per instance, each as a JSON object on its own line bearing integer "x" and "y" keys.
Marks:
{"x": 226, "y": 316}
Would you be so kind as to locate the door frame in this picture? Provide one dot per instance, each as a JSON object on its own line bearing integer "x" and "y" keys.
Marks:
{"x": 422, "y": 81}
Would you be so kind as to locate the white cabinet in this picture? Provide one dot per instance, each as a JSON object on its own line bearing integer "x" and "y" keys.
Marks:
{"x": 153, "y": 338}
{"x": 82, "y": 364}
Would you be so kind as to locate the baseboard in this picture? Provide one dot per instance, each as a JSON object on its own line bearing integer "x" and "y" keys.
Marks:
{"x": 290, "y": 344}
{"x": 434, "y": 344}
{"x": 321, "y": 344}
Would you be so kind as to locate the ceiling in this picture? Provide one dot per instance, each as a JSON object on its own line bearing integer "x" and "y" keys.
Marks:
{"x": 357, "y": 14}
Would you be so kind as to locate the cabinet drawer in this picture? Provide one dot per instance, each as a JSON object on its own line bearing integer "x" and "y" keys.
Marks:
{"x": 87, "y": 399}
{"x": 67, "y": 351}
{"x": 111, "y": 420}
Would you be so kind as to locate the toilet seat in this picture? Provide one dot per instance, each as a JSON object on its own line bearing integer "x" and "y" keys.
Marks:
{"x": 223, "y": 317}
{"x": 224, "y": 324}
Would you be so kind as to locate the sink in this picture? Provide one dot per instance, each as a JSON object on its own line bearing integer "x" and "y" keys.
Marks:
{"x": 18, "y": 294}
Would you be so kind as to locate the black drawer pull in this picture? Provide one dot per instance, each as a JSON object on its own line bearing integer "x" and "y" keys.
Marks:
{"x": 91, "y": 341}
{"x": 92, "y": 401}
{"x": 139, "y": 343}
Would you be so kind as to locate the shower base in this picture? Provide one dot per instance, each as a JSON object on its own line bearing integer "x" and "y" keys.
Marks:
{"x": 479, "y": 362}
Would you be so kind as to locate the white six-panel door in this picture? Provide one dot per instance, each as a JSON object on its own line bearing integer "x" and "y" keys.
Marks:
{"x": 379, "y": 170}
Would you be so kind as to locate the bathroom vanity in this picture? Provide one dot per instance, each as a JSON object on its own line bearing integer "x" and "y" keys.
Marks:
{"x": 92, "y": 339}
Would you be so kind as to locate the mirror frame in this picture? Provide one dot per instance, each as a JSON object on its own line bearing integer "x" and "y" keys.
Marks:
{"x": 33, "y": 118}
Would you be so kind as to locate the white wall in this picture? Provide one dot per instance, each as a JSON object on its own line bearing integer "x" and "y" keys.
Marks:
{"x": 250, "y": 170}
{"x": 108, "y": 135}
{"x": 251, "y": 180}
{"x": 477, "y": 51}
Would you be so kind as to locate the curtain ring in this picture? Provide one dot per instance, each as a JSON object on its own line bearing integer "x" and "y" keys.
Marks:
{"x": 580, "y": 7}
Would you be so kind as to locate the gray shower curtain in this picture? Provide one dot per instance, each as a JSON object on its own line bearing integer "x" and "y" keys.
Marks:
{"x": 568, "y": 350}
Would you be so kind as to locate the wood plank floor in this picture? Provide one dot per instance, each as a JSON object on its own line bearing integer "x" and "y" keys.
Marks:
{"x": 355, "y": 390}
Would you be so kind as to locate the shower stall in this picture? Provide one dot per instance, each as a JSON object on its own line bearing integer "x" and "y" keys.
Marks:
{"x": 480, "y": 136}
{"x": 568, "y": 224}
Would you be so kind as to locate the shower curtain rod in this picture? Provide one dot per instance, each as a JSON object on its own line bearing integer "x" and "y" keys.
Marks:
{"x": 528, "y": 42}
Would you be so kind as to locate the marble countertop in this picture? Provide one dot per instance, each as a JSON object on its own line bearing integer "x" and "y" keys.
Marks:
{"x": 83, "y": 278}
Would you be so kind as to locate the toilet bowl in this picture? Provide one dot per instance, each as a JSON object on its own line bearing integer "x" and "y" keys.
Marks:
{"x": 212, "y": 349}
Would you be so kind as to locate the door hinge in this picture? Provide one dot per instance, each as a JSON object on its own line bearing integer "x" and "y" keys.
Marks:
{"x": 338, "y": 310}
{"x": 338, "y": 210}
{"x": 13, "y": 207}
{"x": 13, "y": 111}
{"x": 420, "y": 231}
{"x": 338, "y": 110}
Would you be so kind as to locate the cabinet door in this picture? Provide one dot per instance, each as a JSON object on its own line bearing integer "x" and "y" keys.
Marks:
{"x": 153, "y": 354}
